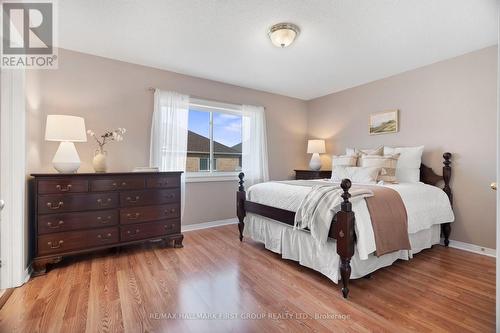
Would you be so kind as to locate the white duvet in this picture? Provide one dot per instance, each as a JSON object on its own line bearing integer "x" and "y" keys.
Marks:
{"x": 426, "y": 206}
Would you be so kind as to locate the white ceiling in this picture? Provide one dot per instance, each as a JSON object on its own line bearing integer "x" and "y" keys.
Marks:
{"x": 343, "y": 43}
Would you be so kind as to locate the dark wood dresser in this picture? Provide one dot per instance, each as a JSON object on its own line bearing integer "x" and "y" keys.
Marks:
{"x": 310, "y": 174}
{"x": 78, "y": 213}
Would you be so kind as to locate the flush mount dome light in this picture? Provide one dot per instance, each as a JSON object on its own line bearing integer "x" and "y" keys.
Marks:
{"x": 283, "y": 34}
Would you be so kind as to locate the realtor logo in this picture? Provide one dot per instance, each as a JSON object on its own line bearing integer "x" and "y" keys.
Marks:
{"x": 28, "y": 35}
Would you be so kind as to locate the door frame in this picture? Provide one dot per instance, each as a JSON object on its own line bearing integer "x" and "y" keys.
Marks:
{"x": 13, "y": 218}
{"x": 498, "y": 194}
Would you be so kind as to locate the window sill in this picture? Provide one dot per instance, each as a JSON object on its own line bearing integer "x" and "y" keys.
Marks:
{"x": 202, "y": 178}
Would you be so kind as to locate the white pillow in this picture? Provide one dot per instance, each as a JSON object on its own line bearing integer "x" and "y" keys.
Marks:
{"x": 362, "y": 175}
{"x": 408, "y": 167}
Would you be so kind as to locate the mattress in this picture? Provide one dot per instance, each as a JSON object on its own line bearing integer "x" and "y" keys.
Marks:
{"x": 426, "y": 207}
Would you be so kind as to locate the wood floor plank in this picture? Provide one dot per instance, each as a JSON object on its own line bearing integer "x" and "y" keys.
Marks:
{"x": 218, "y": 284}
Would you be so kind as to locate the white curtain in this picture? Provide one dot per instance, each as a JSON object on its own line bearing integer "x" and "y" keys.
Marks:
{"x": 254, "y": 145}
{"x": 169, "y": 132}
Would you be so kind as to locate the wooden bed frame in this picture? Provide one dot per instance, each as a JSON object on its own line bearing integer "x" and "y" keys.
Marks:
{"x": 342, "y": 227}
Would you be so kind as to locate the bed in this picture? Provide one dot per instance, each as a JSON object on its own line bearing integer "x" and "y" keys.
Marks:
{"x": 266, "y": 214}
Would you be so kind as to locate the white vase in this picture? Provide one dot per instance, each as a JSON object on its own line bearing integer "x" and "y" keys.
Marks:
{"x": 100, "y": 161}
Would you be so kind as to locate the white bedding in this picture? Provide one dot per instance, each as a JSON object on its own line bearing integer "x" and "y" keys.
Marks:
{"x": 426, "y": 206}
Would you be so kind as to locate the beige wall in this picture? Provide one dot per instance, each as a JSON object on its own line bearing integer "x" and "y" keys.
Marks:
{"x": 110, "y": 94}
{"x": 447, "y": 106}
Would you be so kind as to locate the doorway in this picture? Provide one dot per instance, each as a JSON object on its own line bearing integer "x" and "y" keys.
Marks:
{"x": 13, "y": 230}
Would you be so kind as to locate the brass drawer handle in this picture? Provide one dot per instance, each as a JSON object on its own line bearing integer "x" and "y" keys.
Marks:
{"x": 51, "y": 226}
{"x": 123, "y": 184}
{"x": 133, "y": 200}
{"x": 170, "y": 196}
{"x": 135, "y": 232}
{"x": 59, "y": 205}
{"x": 172, "y": 210}
{"x": 64, "y": 189}
{"x": 101, "y": 237}
{"x": 55, "y": 246}
{"x": 104, "y": 221}
{"x": 169, "y": 226}
{"x": 135, "y": 216}
{"x": 100, "y": 203}
{"x": 163, "y": 182}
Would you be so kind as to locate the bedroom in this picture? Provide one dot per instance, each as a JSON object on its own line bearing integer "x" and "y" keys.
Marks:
{"x": 242, "y": 103}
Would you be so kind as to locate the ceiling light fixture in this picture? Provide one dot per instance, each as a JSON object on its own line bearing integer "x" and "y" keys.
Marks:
{"x": 283, "y": 34}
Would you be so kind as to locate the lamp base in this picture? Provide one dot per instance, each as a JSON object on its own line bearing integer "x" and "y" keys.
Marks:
{"x": 66, "y": 159}
{"x": 315, "y": 163}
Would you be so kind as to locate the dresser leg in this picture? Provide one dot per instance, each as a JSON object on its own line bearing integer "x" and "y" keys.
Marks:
{"x": 40, "y": 266}
{"x": 178, "y": 241}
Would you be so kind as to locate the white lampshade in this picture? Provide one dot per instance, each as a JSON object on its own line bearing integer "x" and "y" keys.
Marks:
{"x": 316, "y": 146}
{"x": 65, "y": 128}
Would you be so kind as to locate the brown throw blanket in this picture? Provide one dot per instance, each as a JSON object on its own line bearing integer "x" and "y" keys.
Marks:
{"x": 389, "y": 219}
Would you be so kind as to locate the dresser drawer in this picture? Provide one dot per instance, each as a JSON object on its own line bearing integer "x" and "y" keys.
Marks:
{"x": 75, "y": 240}
{"x": 119, "y": 183}
{"x": 149, "y": 197}
{"x": 149, "y": 230}
{"x": 72, "y": 221}
{"x": 150, "y": 213}
{"x": 63, "y": 185}
{"x": 67, "y": 203}
{"x": 163, "y": 181}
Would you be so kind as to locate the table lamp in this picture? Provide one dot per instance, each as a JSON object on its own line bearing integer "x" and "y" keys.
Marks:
{"x": 65, "y": 129}
{"x": 315, "y": 147}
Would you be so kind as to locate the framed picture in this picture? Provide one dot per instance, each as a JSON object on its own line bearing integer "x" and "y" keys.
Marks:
{"x": 384, "y": 122}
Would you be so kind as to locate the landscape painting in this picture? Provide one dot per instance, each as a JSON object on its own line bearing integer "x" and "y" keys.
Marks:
{"x": 384, "y": 122}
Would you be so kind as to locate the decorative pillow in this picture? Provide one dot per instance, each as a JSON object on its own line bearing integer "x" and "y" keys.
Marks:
{"x": 358, "y": 152}
{"x": 344, "y": 160}
{"x": 408, "y": 167}
{"x": 367, "y": 175}
{"x": 386, "y": 162}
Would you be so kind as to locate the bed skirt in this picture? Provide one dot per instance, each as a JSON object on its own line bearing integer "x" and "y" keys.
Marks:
{"x": 298, "y": 245}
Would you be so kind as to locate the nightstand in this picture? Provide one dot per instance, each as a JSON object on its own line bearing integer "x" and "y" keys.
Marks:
{"x": 310, "y": 174}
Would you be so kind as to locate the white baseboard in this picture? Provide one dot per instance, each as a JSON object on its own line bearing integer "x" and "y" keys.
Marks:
{"x": 205, "y": 225}
{"x": 472, "y": 248}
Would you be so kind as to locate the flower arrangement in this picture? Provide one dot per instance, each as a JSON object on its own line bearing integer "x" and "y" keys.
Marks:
{"x": 99, "y": 162}
{"x": 108, "y": 136}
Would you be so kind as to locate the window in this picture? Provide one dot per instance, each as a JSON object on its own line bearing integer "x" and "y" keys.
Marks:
{"x": 214, "y": 139}
{"x": 204, "y": 164}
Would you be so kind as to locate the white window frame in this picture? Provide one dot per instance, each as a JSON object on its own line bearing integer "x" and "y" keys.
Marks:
{"x": 210, "y": 107}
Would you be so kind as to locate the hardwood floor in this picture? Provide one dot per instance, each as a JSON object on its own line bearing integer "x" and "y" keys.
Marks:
{"x": 143, "y": 288}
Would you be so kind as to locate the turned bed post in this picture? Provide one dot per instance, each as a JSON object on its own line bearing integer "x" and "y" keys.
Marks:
{"x": 241, "y": 197}
{"x": 446, "y": 227}
{"x": 345, "y": 236}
